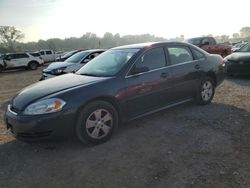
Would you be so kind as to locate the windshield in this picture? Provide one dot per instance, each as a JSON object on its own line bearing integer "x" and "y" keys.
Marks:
{"x": 245, "y": 48}
{"x": 108, "y": 63}
{"x": 194, "y": 41}
{"x": 76, "y": 57}
{"x": 68, "y": 54}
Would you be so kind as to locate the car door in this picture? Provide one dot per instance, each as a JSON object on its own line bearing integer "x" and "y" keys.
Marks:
{"x": 186, "y": 71}
{"x": 22, "y": 59}
{"x": 49, "y": 55}
{"x": 150, "y": 89}
{"x": 9, "y": 61}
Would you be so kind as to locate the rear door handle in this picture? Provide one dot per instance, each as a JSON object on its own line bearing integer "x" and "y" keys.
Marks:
{"x": 197, "y": 66}
{"x": 164, "y": 75}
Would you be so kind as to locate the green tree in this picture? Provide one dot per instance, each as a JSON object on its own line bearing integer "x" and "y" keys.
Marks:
{"x": 9, "y": 36}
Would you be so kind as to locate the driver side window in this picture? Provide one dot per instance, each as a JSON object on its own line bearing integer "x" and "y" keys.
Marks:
{"x": 205, "y": 41}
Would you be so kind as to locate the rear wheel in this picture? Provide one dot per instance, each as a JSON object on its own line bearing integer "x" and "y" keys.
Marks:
{"x": 205, "y": 91}
{"x": 33, "y": 65}
{"x": 96, "y": 122}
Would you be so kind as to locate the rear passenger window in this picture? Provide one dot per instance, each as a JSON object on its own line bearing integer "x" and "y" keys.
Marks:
{"x": 48, "y": 52}
{"x": 197, "y": 54}
{"x": 42, "y": 52}
{"x": 179, "y": 55}
{"x": 152, "y": 59}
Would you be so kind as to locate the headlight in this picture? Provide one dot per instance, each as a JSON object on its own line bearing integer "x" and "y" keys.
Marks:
{"x": 45, "y": 106}
{"x": 58, "y": 71}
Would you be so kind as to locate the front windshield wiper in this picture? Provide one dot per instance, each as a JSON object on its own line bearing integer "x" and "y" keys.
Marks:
{"x": 88, "y": 74}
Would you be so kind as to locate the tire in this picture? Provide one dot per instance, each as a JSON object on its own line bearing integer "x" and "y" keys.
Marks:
{"x": 1, "y": 68}
{"x": 96, "y": 123}
{"x": 205, "y": 92}
{"x": 33, "y": 65}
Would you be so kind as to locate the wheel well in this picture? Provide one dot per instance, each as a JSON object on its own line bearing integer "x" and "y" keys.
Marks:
{"x": 108, "y": 99}
{"x": 212, "y": 75}
{"x": 33, "y": 62}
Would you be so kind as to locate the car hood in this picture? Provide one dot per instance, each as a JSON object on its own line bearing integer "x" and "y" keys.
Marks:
{"x": 239, "y": 56}
{"x": 51, "y": 86}
{"x": 57, "y": 65}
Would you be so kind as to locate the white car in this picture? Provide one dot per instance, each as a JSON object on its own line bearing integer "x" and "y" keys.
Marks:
{"x": 49, "y": 55}
{"x": 20, "y": 60}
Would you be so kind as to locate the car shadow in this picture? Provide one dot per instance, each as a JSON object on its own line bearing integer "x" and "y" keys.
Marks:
{"x": 191, "y": 134}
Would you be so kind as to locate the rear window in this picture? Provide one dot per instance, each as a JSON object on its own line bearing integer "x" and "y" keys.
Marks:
{"x": 48, "y": 52}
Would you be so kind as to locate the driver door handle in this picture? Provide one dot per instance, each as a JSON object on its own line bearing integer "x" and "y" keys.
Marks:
{"x": 164, "y": 75}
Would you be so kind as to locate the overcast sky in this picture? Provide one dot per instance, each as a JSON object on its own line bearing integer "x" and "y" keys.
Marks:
{"x": 43, "y": 19}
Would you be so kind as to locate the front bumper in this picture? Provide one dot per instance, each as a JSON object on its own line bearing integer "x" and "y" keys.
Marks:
{"x": 221, "y": 74}
{"x": 39, "y": 127}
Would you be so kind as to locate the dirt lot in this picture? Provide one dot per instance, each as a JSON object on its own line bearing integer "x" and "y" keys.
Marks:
{"x": 186, "y": 146}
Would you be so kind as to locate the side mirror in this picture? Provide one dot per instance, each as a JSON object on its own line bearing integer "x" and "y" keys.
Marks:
{"x": 85, "y": 61}
{"x": 137, "y": 70}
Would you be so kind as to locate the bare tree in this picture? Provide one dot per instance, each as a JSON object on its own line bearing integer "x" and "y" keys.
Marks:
{"x": 9, "y": 36}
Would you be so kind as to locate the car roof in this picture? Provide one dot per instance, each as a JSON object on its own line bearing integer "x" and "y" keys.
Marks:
{"x": 148, "y": 44}
{"x": 94, "y": 50}
{"x": 16, "y": 53}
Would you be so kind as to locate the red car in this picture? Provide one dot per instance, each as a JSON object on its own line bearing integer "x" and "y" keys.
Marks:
{"x": 210, "y": 45}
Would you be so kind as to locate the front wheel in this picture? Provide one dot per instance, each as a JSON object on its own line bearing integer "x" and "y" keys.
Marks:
{"x": 205, "y": 91}
{"x": 33, "y": 65}
{"x": 96, "y": 122}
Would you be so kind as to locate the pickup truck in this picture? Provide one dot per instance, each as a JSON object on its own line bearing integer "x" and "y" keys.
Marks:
{"x": 49, "y": 55}
{"x": 210, "y": 45}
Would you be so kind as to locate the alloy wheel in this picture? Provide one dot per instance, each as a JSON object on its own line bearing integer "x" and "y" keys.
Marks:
{"x": 99, "y": 123}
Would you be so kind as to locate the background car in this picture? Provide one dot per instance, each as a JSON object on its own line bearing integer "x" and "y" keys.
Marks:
{"x": 210, "y": 45}
{"x": 238, "y": 63}
{"x": 237, "y": 46}
{"x": 49, "y": 55}
{"x": 121, "y": 84}
{"x": 67, "y": 55}
{"x": 21, "y": 60}
{"x": 72, "y": 64}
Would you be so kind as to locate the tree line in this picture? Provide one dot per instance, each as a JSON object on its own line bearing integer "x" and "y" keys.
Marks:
{"x": 10, "y": 38}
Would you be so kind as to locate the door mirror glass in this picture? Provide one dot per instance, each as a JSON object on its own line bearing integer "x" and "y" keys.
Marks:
{"x": 85, "y": 61}
{"x": 137, "y": 70}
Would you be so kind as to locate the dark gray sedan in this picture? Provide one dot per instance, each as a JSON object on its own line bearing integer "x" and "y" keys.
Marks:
{"x": 121, "y": 84}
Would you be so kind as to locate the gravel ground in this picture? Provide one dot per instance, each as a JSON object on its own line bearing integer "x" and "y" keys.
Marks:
{"x": 187, "y": 146}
